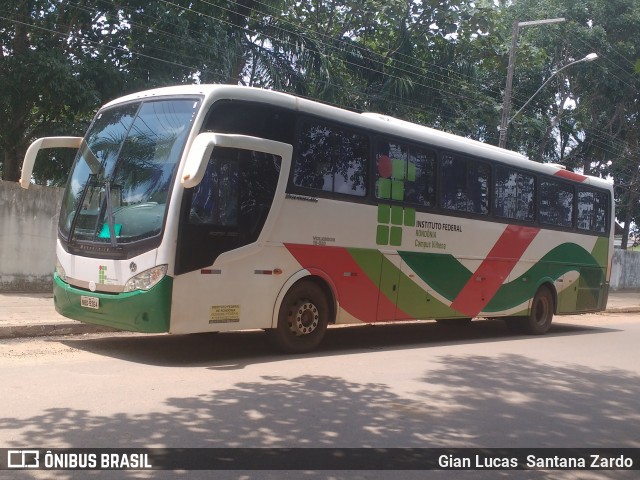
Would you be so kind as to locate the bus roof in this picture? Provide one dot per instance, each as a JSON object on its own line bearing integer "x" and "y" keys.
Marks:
{"x": 372, "y": 121}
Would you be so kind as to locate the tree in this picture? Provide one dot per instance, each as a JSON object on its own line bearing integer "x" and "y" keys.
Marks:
{"x": 395, "y": 57}
{"x": 582, "y": 118}
{"x": 441, "y": 63}
{"x": 59, "y": 63}
{"x": 41, "y": 90}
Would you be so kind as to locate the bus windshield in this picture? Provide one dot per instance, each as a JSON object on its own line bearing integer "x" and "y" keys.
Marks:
{"x": 120, "y": 183}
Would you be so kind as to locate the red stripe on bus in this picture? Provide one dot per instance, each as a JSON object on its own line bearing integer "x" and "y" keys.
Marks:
{"x": 357, "y": 294}
{"x": 576, "y": 177}
{"x": 494, "y": 270}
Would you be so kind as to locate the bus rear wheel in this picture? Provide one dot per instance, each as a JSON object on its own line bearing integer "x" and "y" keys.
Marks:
{"x": 302, "y": 319}
{"x": 538, "y": 322}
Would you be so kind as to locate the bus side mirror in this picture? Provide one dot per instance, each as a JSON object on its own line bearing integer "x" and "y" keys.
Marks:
{"x": 197, "y": 159}
{"x": 202, "y": 147}
{"x": 41, "y": 144}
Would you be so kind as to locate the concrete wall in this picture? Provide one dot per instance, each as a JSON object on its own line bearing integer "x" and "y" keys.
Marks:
{"x": 29, "y": 226}
{"x": 625, "y": 271}
{"x": 28, "y": 232}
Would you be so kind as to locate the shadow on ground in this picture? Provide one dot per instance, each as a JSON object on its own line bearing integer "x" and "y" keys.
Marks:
{"x": 239, "y": 349}
{"x": 465, "y": 401}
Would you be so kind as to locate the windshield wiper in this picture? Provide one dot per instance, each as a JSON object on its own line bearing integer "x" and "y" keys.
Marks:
{"x": 76, "y": 214}
{"x": 112, "y": 229}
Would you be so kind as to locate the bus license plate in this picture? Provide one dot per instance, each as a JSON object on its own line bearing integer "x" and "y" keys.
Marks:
{"x": 90, "y": 302}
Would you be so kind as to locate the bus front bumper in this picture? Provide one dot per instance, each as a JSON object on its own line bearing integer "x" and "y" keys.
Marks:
{"x": 139, "y": 311}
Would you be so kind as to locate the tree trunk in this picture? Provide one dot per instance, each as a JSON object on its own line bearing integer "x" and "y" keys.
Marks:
{"x": 10, "y": 166}
{"x": 631, "y": 198}
{"x": 17, "y": 108}
{"x": 625, "y": 233}
{"x": 235, "y": 75}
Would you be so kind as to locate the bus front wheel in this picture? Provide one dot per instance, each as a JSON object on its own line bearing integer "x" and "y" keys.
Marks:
{"x": 302, "y": 319}
{"x": 538, "y": 322}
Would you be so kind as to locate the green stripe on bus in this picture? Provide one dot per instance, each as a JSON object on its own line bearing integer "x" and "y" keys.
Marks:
{"x": 412, "y": 299}
{"x": 420, "y": 304}
{"x": 446, "y": 276}
{"x": 562, "y": 259}
{"x": 601, "y": 252}
{"x": 442, "y": 272}
{"x": 369, "y": 261}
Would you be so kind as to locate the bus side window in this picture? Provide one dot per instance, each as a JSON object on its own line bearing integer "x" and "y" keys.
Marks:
{"x": 405, "y": 173}
{"x": 556, "y": 203}
{"x": 592, "y": 211}
{"x": 601, "y": 209}
{"x": 514, "y": 194}
{"x": 465, "y": 185}
{"x": 215, "y": 200}
{"x": 585, "y": 210}
{"x": 391, "y": 162}
{"x": 421, "y": 177}
{"x": 254, "y": 119}
{"x": 332, "y": 159}
{"x": 229, "y": 207}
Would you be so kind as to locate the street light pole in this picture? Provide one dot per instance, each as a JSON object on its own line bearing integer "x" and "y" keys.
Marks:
{"x": 589, "y": 58}
{"x": 506, "y": 107}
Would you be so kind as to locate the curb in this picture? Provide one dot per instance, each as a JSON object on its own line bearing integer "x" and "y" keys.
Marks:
{"x": 622, "y": 310}
{"x": 51, "y": 329}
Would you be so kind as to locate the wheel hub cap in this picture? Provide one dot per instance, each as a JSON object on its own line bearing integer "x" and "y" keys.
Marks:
{"x": 305, "y": 319}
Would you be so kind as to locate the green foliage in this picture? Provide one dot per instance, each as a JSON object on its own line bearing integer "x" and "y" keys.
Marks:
{"x": 441, "y": 63}
{"x": 60, "y": 61}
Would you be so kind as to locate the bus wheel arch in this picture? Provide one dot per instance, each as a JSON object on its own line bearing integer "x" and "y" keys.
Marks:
{"x": 303, "y": 314}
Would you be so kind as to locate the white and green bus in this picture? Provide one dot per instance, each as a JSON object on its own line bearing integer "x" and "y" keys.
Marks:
{"x": 214, "y": 208}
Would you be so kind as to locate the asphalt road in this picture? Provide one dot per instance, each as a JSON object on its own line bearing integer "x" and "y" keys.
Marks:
{"x": 412, "y": 385}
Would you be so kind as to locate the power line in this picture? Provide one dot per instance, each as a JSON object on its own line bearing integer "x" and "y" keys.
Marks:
{"x": 444, "y": 81}
{"x": 411, "y": 105}
{"x": 131, "y": 52}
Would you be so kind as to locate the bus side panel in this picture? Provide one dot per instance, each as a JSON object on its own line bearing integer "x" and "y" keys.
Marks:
{"x": 574, "y": 264}
{"x": 442, "y": 267}
{"x": 373, "y": 286}
{"x": 232, "y": 294}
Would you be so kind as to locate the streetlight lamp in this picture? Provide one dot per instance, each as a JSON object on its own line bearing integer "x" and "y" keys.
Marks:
{"x": 506, "y": 107}
{"x": 589, "y": 58}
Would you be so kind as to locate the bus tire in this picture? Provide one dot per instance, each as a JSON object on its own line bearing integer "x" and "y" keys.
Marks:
{"x": 538, "y": 322}
{"x": 302, "y": 319}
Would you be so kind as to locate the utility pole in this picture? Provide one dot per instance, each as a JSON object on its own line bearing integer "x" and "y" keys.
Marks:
{"x": 506, "y": 106}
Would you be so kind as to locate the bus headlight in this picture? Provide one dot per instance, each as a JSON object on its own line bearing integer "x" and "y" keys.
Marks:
{"x": 147, "y": 279}
{"x": 60, "y": 271}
